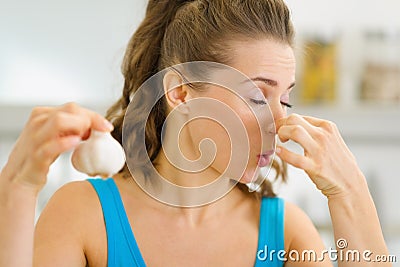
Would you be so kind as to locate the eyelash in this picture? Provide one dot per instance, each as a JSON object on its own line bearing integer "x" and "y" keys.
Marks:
{"x": 286, "y": 104}
{"x": 262, "y": 102}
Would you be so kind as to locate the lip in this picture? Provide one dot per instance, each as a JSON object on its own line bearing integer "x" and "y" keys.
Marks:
{"x": 268, "y": 153}
{"x": 265, "y": 158}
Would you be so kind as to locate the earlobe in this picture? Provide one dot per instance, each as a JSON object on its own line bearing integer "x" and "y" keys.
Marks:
{"x": 183, "y": 108}
{"x": 174, "y": 91}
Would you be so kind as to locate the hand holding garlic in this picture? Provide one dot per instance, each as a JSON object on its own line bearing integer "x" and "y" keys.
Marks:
{"x": 100, "y": 155}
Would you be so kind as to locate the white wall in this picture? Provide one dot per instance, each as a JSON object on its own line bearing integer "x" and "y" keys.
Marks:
{"x": 344, "y": 14}
{"x": 57, "y": 51}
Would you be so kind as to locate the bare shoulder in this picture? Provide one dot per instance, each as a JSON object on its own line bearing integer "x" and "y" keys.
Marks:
{"x": 301, "y": 234}
{"x": 296, "y": 222}
{"x": 70, "y": 200}
{"x": 72, "y": 217}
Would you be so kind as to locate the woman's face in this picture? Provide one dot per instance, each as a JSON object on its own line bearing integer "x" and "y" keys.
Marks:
{"x": 271, "y": 66}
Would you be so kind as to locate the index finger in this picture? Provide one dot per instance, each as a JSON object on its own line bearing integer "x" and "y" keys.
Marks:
{"x": 95, "y": 120}
{"x": 295, "y": 119}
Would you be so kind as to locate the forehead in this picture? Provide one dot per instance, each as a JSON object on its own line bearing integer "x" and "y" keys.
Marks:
{"x": 264, "y": 57}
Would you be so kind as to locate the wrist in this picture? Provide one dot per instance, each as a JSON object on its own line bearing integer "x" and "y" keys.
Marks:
{"x": 11, "y": 190}
{"x": 355, "y": 187}
{"x": 15, "y": 181}
{"x": 353, "y": 202}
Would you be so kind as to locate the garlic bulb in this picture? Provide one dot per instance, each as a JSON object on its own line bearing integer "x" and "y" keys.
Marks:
{"x": 100, "y": 155}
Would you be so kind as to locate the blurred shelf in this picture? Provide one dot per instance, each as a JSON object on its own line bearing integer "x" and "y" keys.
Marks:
{"x": 362, "y": 123}
{"x": 14, "y": 117}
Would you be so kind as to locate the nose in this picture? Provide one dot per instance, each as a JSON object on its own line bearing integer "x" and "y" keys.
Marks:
{"x": 277, "y": 112}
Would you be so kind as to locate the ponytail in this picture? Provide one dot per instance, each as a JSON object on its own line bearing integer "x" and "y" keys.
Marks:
{"x": 142, "y": 56}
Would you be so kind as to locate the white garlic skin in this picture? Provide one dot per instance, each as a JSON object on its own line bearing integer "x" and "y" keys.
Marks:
{"x": 100, "y": 155}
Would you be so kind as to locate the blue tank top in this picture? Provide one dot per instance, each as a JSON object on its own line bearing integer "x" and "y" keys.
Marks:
{"x": 123, "y": 250}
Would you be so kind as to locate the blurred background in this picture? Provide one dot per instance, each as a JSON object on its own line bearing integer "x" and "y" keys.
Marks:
{"x": 348, "y": 56}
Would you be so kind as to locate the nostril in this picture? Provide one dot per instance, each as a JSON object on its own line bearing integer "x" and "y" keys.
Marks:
{"x": 271, "y": 128}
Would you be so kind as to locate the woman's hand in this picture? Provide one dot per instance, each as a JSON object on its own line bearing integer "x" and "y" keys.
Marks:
{"x": 49, "y": 132}
{"x": 327, "y": 159}
{"x": 333, "y": 169}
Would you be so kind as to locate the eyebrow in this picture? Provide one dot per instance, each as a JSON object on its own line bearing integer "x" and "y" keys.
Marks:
{"x": 270, "y": 82}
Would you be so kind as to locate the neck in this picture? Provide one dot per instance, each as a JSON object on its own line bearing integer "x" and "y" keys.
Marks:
{"x": 181, "y": 188}
{"x": 185, "y": 177}
{"x": 194, "y": 217}
{"x": 180, "y": 161}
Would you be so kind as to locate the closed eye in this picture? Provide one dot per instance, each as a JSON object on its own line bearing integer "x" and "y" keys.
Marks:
{"x": 258, "y": 102}
{"x": 262, "y": 102}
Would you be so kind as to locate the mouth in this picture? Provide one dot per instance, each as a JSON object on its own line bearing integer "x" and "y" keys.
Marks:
{"x": 265, "y": 158}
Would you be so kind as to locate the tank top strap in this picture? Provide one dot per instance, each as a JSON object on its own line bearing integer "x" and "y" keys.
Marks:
{"x": 271, "y": 233}
{"x": 122, "y": 249}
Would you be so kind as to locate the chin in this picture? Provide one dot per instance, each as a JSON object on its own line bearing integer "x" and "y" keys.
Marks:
{"x": 250, "y": 175}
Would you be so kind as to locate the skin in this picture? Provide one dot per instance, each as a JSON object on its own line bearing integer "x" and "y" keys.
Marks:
{"x": 196, "y": 130}
{"x": 72, "y": 222}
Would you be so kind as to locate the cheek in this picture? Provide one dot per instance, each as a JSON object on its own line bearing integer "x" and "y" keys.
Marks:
{"x": 252, "y": 129}
{"x": 258, "y": 122}
{"x": 201, "y": 129}
{"x": 261, "y": 131}
{"x": 246, "y": 147}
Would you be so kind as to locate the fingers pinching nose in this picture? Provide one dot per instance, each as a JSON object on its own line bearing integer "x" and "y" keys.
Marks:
{"x": 279, "y": 123}
{"x": 289, "y": 120}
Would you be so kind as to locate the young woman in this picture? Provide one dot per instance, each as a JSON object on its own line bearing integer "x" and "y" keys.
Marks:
{"x": 115, "y": 223}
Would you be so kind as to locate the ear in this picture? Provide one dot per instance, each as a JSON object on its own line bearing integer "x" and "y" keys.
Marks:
{"x": 175, "y": 93}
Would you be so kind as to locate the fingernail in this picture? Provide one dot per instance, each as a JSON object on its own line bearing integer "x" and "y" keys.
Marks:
{"x": 75, "y": 140}
{"x": 108, "y": 125}
{"x": 278, "y": 150}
